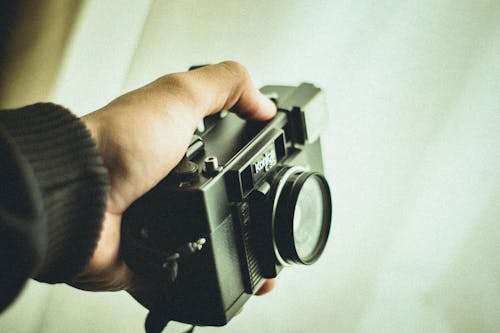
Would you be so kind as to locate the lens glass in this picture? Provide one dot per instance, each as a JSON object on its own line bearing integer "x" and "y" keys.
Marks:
{"x": 309, "y": 217}
{"x": 301, "y": 216}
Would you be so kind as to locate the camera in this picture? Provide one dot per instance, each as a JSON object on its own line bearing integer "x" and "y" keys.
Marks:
{"x": 247, "y": 199}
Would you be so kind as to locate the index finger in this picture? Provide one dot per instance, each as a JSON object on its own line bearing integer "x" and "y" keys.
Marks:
{"x": 226, "y": 85}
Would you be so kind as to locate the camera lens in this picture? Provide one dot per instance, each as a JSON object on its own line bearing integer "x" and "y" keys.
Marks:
{"x": 302, "y": 216}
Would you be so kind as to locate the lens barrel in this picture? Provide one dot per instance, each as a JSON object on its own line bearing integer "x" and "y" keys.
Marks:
{"x": 301, "y": 216}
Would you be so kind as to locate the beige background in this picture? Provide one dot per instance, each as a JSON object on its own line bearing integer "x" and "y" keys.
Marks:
{"x": 412, "y": 152}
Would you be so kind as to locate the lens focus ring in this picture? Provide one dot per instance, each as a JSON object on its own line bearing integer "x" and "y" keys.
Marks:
{"x": 302, "y": 214}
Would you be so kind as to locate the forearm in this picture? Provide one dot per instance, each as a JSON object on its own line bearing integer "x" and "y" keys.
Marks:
{"x": 52, "y": 198}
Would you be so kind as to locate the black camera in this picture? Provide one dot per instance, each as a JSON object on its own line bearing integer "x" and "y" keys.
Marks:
{"x": 247, "y": 199}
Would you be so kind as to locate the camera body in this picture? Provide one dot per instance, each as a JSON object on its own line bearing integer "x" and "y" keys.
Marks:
{"x": 215, "y": 219}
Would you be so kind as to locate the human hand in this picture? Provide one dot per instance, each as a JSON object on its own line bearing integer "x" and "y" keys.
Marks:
{"x": 141, "y": 136}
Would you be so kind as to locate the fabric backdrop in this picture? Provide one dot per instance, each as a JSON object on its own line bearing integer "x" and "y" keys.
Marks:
{"x": 412, "y": 152}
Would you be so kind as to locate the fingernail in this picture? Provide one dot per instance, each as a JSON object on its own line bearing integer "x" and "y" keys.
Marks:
{"x": 269, "y": 103}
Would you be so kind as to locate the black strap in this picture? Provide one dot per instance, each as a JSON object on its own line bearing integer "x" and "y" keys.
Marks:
{"x": 158, "y": 317}
{"x": 157, "y": 265}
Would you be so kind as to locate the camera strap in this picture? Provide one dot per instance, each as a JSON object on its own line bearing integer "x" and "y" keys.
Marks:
{"x": 157, "y": 318}
{"x": 157, "y": 265}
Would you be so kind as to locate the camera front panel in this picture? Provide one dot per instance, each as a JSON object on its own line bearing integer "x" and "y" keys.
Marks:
{"x": 261, "y": 227}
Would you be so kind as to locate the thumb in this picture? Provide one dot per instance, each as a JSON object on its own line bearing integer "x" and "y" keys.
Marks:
{"x": 252, "y": 104}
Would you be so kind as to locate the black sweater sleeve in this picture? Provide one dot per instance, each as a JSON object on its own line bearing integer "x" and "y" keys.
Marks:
{"x": 53, "y": 190}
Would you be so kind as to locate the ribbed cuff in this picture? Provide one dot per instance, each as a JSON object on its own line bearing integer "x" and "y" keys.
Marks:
{"x": 73, "y": 183}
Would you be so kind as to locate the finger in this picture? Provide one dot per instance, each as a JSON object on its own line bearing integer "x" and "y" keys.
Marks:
{"x": 225, "y": 86}
{"x": 266, "y": 287}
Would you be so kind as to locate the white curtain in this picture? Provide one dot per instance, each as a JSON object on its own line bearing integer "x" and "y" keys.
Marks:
{"x": 412, "y": 152}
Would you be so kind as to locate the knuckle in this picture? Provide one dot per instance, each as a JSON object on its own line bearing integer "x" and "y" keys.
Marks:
{"x": 236, "y": 69}
{"x": 182, "y": 93}
{"x": 176, "y": 80}
{"x": 181, "y": 85}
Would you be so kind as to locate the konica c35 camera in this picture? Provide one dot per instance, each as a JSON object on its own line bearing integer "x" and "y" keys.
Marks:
{"x": 247, "y": 199}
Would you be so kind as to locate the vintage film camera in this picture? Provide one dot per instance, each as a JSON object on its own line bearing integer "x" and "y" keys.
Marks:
{"x": 247, "y": 199}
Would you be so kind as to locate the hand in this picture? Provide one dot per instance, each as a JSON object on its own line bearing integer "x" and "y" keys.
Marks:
{"x": 142, "y": 135}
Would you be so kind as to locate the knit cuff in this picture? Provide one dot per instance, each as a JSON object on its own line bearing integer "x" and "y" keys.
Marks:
{"x": 72, "y": 180}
